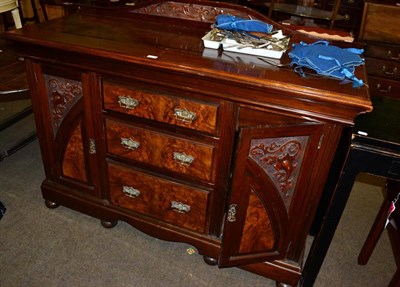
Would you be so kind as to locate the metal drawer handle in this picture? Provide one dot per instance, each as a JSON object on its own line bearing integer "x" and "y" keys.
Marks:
{"x": 92, "y": 146}
{"x": 387, "y": 90}
{"x": 183, "y": 158}
{"x": 180, "y": 207}
{"x": 130, "y": 191}
{"x": 127, "y": 102}
{"x": 185, "y": 115}
{"x": 392, "y": 72}
{"x": 390, "y": 55}
{"x": 232, "y": 213}
{"x": 129, "y": 143}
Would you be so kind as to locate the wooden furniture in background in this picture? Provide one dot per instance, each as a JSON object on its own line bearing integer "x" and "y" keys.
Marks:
{"x": 380, "y": 30}
{"x": 348, "y": 18}
{"x": 306, "y": 9}
{"x": 386, "y": 218}
{"x": 351, "y": 10}
{"x": 138, "y": 122}
{"x": 375, "y": 147}
{"x": 58, "y": 8}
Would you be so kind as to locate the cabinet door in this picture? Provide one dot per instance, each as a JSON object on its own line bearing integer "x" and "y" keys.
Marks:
{"x": 64, "y": 125}
{"x": 269, "y": 187}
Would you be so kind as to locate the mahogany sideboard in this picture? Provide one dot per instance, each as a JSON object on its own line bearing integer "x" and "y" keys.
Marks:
{"x": 138, "y": 122}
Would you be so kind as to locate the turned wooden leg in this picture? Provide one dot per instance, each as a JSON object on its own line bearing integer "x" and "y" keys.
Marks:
{"x": 210, "y": 261}
{"x": 109, "y": 224}
{"x": 50, "y": 204}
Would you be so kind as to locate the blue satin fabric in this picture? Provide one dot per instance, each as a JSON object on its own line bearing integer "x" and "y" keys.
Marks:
{"x": 233, "y": 23}
{"x": 327, "y": 60}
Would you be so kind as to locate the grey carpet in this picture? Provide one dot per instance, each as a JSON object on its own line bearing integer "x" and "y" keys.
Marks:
{"x": 60, "y": 247}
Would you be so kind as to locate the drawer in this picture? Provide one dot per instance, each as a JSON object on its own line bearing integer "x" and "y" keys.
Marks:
{"x": 384, "y": 87}
{"x": 142, "y": 101}
{"x": 383, "y": 51}
{"x": 351, "y": 18}
{"x": 175, "y": 154}
{"x": 383, "y": 68}
{"x": 159, "y": 198}
{"x": 379, "y": 23}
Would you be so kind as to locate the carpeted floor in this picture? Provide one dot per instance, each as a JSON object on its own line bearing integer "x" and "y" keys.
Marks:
{"x": 44, "y": 248}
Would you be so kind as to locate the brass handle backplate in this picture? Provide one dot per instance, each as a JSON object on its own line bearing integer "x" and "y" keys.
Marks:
{"x": 130, "y": 191}
{"x": 92, "y": 146}
{"x": 129, "y": 143}
{"x": 232, "y": 212}
{"x": 390, "y": 55}
{"x": 389, "y": 72}
{"x": 382, "y": 90}
{"x": 185, "y": 115}
{"x": 180, "y": 207}
{"x": 127, "y": 102}
{"x": 183, "y": 158}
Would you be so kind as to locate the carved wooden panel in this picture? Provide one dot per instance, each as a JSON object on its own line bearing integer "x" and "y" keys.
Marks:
{"x": 189, "y": 11}
{"x": 174, "y": 154}
{"x": 162, "y": 199}
{"x": 147, "y": 104}
{"x": 73, "y": 164}
{"x": 281, "y": 159}
{"x": 62, "y": 94}
{"x": 258, "y": 235}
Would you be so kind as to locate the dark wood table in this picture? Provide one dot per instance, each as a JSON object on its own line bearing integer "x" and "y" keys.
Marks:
{"x": 374, "y": 149}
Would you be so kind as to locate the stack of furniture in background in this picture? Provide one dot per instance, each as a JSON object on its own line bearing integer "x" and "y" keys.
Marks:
{"x": 375, "y": 143}
{"x": 381, "y": 32}
{"x": 342, "y": 15}
{"x": 307, "y": 9}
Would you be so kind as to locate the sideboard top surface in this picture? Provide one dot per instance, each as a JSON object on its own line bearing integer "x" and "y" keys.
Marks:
{"x": 176, "y": 45}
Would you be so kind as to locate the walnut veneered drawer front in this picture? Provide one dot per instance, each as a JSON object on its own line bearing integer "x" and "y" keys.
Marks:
{"x": 159, "y": 198}
{"x": 383, "y": 51}
{"x": 145, "y": 103}
{"x": 161, "y": 150}
{"x": 383, "y": 68}
{"x": 384, "y": 87}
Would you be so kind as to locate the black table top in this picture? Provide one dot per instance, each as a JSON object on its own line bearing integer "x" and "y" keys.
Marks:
{"x": 381, "y": 127}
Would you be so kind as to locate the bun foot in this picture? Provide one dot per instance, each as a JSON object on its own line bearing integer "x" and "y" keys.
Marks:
{"x": 109, "y": 224}
{"x": 210, "y": 261}
{"x": 50, "y": 204}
